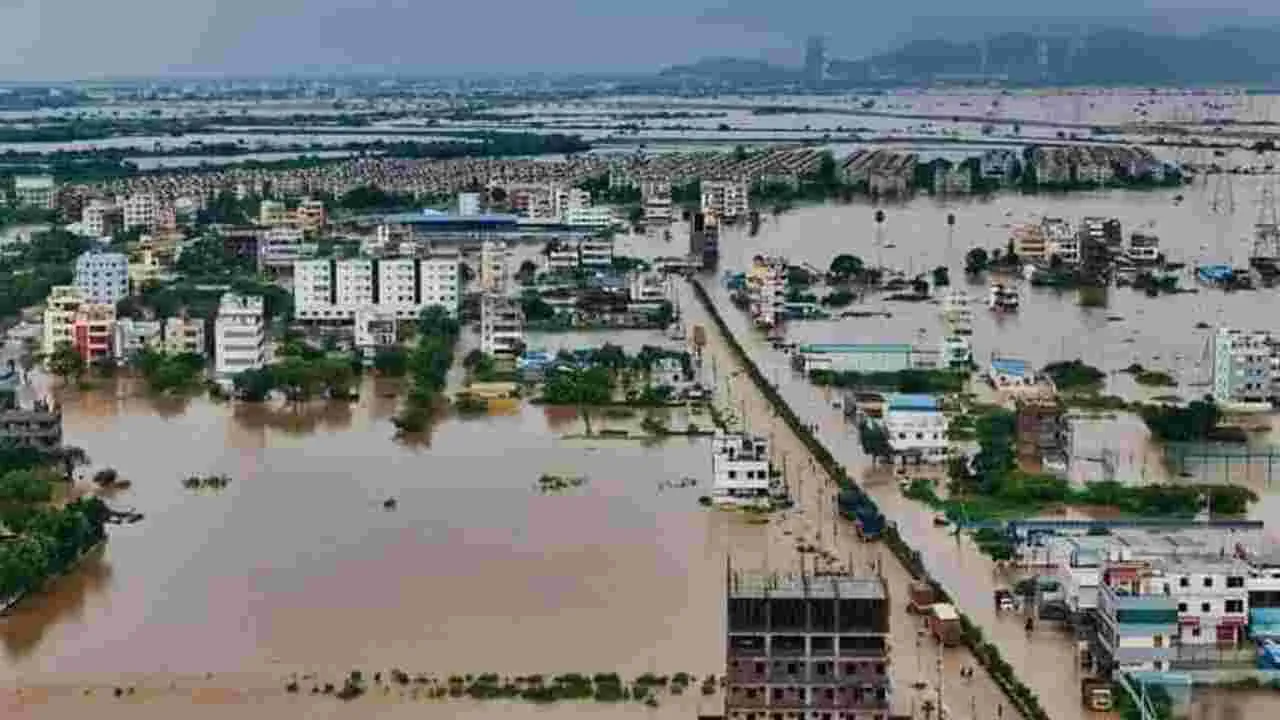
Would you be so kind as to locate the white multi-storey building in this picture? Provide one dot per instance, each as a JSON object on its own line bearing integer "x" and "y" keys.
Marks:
{"x": 99, "y": 218}
{"x": 725, "y": 199}
{"x": 740, "y": 469}
{"x": 595, "y": 253}
{"x": 565, "y": 200}
{"x": 501, "y": 326}
{"x": 656, "y": 197}
{"x": 647, "y": 287}
{"x": 375, "y": 329}
{"x": 239, "y": 336}
{"x": 495, "y": 275}
{"x": 468, "y": 204}
{"x": 103, "y": 277}
{"x": 1211, "y": 596}
{"x": 916, "y": 428}
{"x": 37, "y": 191}
{"x": 591, "y": 216}
{"x": 336, "y": 290}
{"x": 1245, "y": 365}
{"x": 140, "y": 210}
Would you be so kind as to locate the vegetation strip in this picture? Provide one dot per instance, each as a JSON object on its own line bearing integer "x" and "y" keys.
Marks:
{"x": 1019, "y": 694}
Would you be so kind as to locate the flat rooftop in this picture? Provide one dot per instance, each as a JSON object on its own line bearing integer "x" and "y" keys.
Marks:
{"x": 767, "y": 586}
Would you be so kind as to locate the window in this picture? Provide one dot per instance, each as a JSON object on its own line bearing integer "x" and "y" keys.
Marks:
{"x": 1184, "y": 582}
{"x": 1204, "y": 607}
{"x": 1195, "y": 632}
{"x": 1182, "y": 607}
{"x": 1235, "y": 581}
{"x": 733, "y": 474}
{"x": 1208, "y": 582}
{"x": 1234, "y": 606}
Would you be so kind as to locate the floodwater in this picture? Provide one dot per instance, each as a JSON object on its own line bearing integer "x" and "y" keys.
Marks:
{"x": 296, "y": 566}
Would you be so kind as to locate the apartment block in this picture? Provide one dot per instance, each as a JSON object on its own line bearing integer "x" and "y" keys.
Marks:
{"x": 280, "y": 247}
{"x": 1245, "y": 365}
{"x": 100, "y": 218}
{"x": 725, "y": 199}
{"x": 1135, "y": 632}
{"x": 184, "y": 335}
{"x": 35, "y": 191}
{"x": 134, "y": 336}
{"x": 239, "y": 333}
{"x": 93, "y": 332}
{"x": 916, "y": 428}
{"x": 501, "y": 326}
{"x": 813, "y": 647}
{"x": 655, "y": 195}
{"x": 103, "y": 277}
{"x": 335, "y": 290}
{"x": 140, "y": 210}
{"x": 61, "y": 306}
{"x": 766, "y": 285}
{"x": 495, "y": 270}
{"x": 310, "y": 217}
{"x": 274, "y": 213}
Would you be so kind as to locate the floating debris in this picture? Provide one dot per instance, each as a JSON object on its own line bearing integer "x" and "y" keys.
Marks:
{"x": 389, "y": 504}
{"x": 212, "y": 482}
{"x": 548, "y": 483}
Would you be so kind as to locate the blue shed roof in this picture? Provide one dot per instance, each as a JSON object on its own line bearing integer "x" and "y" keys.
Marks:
{"x": 1009, "y": 366}
{"x": 906, "y": 401}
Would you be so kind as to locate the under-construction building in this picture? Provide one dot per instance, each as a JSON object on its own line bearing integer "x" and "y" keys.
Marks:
{"x": 704, "y": 242}
{"x": 807, "y": 647}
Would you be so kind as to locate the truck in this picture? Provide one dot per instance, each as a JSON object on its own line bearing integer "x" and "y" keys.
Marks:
{"x": 867, "y": 518}
{"x": 944, "y": 624}
{"x": 922, "y": 597}
{"x": 1095, "y": 694}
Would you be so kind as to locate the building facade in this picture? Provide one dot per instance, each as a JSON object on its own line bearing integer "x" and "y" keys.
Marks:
{"x": 1135, "y": 632}
{"x": 239, "y": 332}
{"x": 140, "y": 210}
{"x": 1245, "y": 364}
{"x": 35, "y": 191}
{"x": 741, "y": 473}
{"x": 60, "y": 309}
{"x": 725, "y": 199}
{"x": 501, "y": 326}
{"x": 808, "y": 647}
{"x": 103, "y": 277}
{"x": 916, "y": 428}
{"x": 100, "y": 218}
{"x": 335, "y": 290}
{"x": 183, "y": 335}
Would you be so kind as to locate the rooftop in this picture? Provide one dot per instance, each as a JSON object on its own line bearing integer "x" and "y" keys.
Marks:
{"x": 906, "y": 401}
{"x": 1009, "y": 366}
{"x": 855, "y": 348}
{"x": 747, "y": 585}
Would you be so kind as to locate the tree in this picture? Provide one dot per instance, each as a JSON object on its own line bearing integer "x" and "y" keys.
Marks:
{"x": 845, "y": 267}
{"x": 920, "y": 286}
{"x": 66, "y": 363}
{"x": 391, "y": 362}
{"x": 528, "y": 269}
{"x": 435, "y": 321}
{"x": 941, "y": 276}
{"x": 976, "y": 261}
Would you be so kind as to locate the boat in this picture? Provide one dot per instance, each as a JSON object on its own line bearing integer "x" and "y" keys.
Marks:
{"x": 1003, "y": 298}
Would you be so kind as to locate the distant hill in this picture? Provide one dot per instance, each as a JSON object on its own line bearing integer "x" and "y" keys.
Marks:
{"x": 1102, "y": 57}
{"x": 732, "y": 71}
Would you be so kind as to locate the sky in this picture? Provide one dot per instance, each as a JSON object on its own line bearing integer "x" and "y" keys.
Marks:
{"x": 74, "y": 39}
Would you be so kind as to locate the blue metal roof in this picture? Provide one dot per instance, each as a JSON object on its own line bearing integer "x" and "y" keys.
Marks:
{"x": 906, "y": 401}
{"x": 1009, "y": 366}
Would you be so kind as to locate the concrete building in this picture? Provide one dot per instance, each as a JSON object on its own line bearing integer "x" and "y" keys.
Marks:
{"x": 1030, "y": 243}
{"x": 184, "y": 335}
{"x": 501, "y": 326}
{"x": 274, "y": 213}
{"x": 725, "y": 199}
{"x": 93, "y": 332}
{"x": 100, "y": 218}
{"x": 856, "y": 357}
{"x": 140, "y": 210}
{"x": 1143, "y": 250}
{"x": 655, "y": 195}
{"x": 998, "y": 165}
{"x": 281, "y": 246}
{"x": 469, "y": 204}
{"x": 1245, "y": 365}
{"x": 916, "y": 428}
{"x": 594, "y": 217}
{"x": 647, "y": 288}
{"x": 1210, "y": 595}
{"x": 239, "y": 336}
{"x": 595, "y": 253}
{"x": 133, "y": 336}
{"x": 59, "y": 314}
{"x": 566, "y": 199}
{"x": 741, "y": 473}
{"x": 35, "y": 191}
{"x": 1043, "y": 432}
{"x": 810, "y": 647}
{"x": 375, "y": 330}
{"x": 103, "y": 277}
{"x": 495, "y": 268}
{"x": 310, "y": 217}
{"x": 335, "y": 290}
{"x": 1135, "y": 632}
{"x": 766, "y": 287}
{"x": 144, "y": 269}
{"x": 38, "y": 426}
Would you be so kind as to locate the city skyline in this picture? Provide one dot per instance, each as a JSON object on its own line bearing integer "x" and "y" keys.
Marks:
{"x": 62, "y": 40}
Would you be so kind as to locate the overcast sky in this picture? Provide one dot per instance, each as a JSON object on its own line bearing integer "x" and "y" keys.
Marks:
{"x": 67, "y": 39}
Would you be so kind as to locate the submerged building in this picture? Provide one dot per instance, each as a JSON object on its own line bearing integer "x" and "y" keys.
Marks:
{"x": 812, "y": 647}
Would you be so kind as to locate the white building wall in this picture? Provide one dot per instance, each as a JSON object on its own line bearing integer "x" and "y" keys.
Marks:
{"x": 239, "y": 336}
